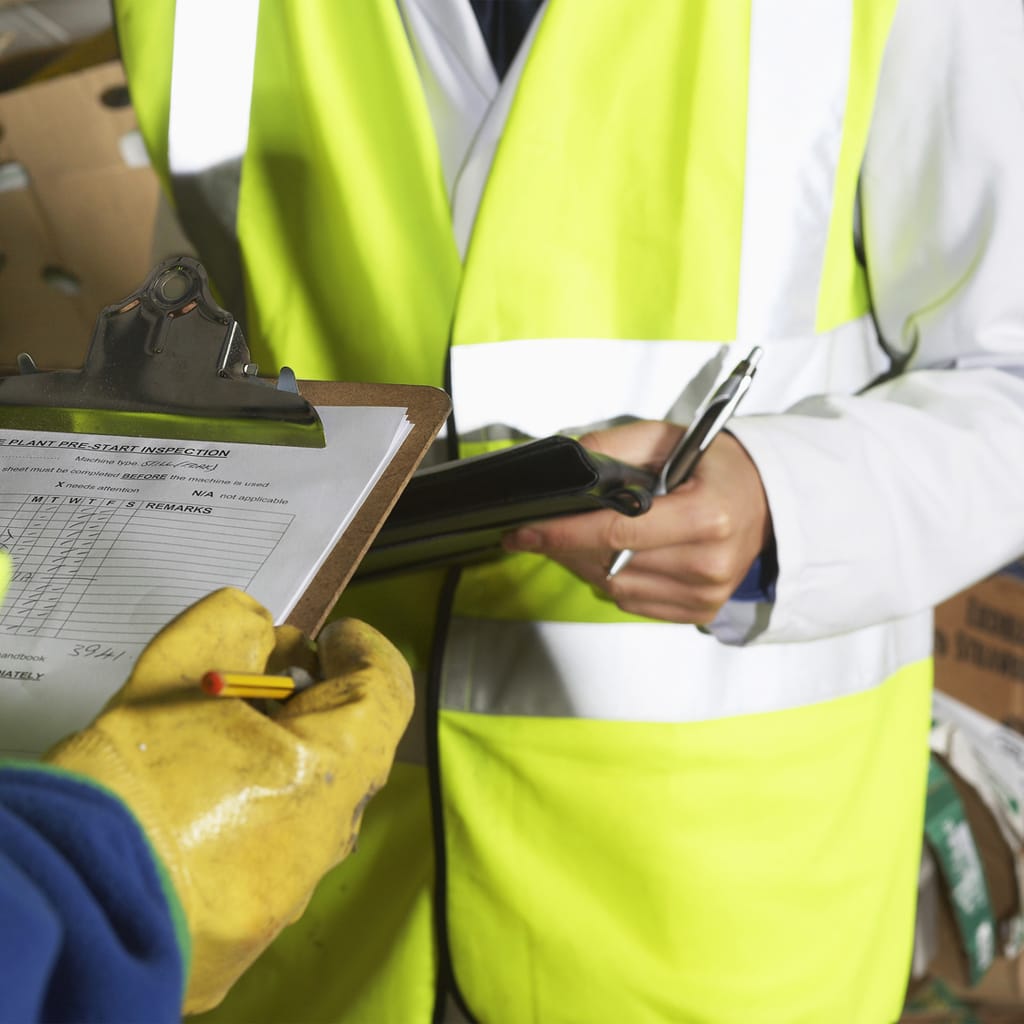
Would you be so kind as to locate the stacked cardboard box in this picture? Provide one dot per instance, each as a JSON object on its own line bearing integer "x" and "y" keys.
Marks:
{"x": 979, "y": 705}
{"x": 979, "y": 647}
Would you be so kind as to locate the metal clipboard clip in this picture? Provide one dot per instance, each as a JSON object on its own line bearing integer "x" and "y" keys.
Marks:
{"x": 166, "y": 361}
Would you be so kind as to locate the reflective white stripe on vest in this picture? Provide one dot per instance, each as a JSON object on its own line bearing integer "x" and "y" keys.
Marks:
{"x": 211, "y": 83}
{"x": 541, "y": 386}
{"x": 640, "y": 672}
{"x": 790, "y": 163}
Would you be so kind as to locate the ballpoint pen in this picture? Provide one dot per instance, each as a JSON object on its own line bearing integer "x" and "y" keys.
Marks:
{"x": 683, "y": 458}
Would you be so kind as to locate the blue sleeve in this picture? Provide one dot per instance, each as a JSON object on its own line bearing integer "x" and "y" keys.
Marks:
{"x": 759, "y": 583}
{"x": 89, "y": 929}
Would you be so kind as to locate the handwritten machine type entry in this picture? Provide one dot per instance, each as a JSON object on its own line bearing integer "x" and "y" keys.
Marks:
{"x": 110, "y": 537}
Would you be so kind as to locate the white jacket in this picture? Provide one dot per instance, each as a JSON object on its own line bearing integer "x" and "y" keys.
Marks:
{"x": 873, "y": 497}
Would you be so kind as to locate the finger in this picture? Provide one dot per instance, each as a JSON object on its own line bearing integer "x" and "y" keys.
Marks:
{"x": 692, "y": 578}
{"x": 348, "y": 645}
{"x": 589, "y": 532}
{"x": 292, "y": 649}
{"x": 680, "y": 614}
{"x": 659, "y": 596}
{"x": 691, "y": 566}
{"x": 366, "y": 693}
{"x": 644, "y": 588}
{"x": 682, "y": 517}
{"x": 227, "y": 630}
{"x": 650, "y": 579}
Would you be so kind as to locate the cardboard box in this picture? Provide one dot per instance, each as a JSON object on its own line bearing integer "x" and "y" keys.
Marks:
{"x": 941, "y": 988}
{"x": 979, "y": 647}
{"x": 35, "y": 35}
{"x": 78, "y": 201}
{"x": 979, "y": 662}
{"x": 936, "y": 1003}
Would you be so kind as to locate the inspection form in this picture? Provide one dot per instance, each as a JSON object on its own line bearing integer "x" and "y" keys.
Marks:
{"x": 110, "y": 537}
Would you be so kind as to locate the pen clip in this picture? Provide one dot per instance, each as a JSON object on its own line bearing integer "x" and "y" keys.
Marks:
{"x": 713, "y": 416}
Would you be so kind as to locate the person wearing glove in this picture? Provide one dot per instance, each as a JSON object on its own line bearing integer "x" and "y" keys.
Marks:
{"x": 164, "y": 846}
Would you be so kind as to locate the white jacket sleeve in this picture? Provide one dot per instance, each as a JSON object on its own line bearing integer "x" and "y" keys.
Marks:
{"x": 888, "y": 502}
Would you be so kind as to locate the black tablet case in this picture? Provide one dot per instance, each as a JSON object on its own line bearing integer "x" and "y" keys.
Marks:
{"x": 456, "y": 512}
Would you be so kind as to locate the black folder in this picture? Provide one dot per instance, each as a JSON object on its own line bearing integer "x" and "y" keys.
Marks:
{"x": 457, "y": 512}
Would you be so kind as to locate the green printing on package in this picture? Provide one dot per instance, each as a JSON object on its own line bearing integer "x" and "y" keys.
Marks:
{"x": 950, "y": 838}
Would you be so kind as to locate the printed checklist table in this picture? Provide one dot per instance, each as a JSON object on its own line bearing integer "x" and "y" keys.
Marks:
{"x": 116, "y": 570}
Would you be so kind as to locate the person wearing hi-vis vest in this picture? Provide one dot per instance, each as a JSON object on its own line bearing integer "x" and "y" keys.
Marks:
{"x": 692, "y": 791}
{"x": 149, "y": 858}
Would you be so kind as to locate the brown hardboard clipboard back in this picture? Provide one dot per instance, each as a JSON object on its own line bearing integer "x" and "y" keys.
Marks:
{"x": 428, "y": 407}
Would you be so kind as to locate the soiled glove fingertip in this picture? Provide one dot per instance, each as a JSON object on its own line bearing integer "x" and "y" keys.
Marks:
{"x": 292, "y": 649}
{"x": 348, "y": 645}
{"x": 366, "y": 697}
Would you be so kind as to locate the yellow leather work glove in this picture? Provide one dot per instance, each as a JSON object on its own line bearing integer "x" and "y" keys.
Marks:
{"x": 247, "y": 810}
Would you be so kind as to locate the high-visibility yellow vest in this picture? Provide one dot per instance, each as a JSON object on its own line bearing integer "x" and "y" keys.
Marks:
{"x": 630, "y": 821}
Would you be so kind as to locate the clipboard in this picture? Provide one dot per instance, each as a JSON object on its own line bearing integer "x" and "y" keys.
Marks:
{"x": 428, "y": 409}
{"x": 166, "y": 468}
{"x": 168, "y": 362}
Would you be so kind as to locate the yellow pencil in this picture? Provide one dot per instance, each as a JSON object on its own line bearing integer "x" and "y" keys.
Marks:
{"x": 253, "y": 684}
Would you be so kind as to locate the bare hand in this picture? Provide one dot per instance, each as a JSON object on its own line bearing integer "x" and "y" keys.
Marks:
{"x": 691, "y": 549}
